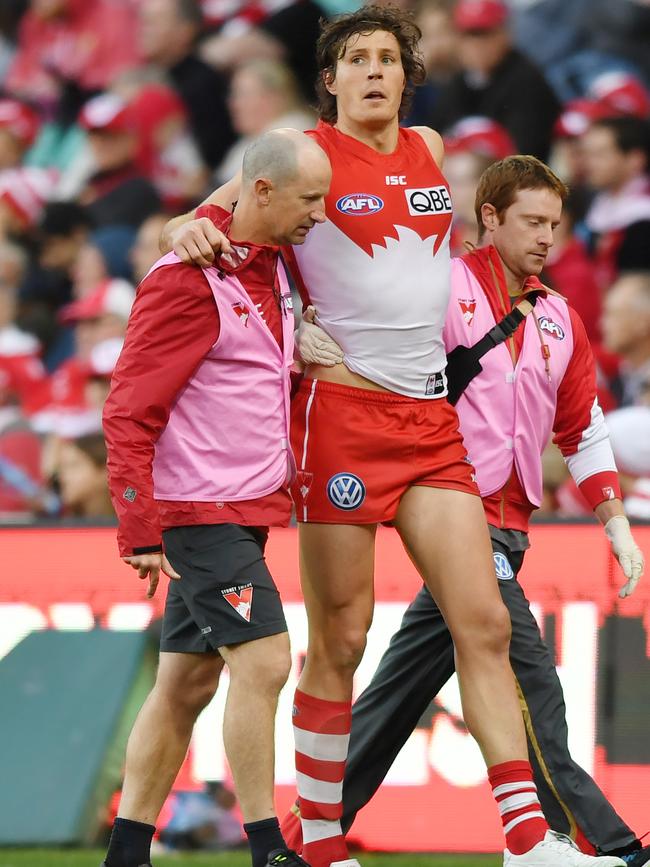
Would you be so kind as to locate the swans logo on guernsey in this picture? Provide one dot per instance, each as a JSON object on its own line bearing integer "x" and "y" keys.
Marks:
{"x": 552, "y": 328}
{"x": 359, "y": 204}
{"x": 346, "y": 491}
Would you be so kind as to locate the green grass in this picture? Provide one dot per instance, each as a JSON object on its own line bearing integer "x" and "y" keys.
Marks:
{"x": 74, "y": 858}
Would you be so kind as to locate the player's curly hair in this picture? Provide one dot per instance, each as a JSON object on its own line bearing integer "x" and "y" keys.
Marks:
{"x": 334, "y": 38}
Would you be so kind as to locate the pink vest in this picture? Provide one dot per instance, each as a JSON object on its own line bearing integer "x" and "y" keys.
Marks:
{"x": 507, "y": 413}
{"x": 227, "y": 438}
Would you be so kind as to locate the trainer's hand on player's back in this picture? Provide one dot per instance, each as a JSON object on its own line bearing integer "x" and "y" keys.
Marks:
{"x": 151, "y": 565}
{"x": 198, "y": 242}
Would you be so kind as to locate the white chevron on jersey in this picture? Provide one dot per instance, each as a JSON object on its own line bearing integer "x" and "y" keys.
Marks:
{"x": 394, "y": 302}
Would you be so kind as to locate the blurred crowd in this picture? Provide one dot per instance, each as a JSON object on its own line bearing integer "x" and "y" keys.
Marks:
{"x": 116, "y": 114}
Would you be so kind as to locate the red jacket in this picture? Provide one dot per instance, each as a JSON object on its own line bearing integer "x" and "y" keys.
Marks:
{"x": 173, "y": 325}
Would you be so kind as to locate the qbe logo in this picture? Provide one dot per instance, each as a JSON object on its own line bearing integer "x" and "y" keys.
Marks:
{"x": 430, "y": 200}
{"x": 346, "y": 491}
{"x": 502, "y": 566}
{"x": 359, "y": 204}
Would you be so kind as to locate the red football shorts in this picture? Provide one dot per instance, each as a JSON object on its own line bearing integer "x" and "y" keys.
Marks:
{"x": 358, "y": 451}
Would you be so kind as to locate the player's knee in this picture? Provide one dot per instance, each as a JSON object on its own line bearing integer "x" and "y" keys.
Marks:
{"x": 486, "y": 634}
{"x": 344, "y": 647}
{"x": 273, "y": 671}
{"x": 497, "y": 630}
{"x": 261, "y": 665}
{"x": 190, "y": 693}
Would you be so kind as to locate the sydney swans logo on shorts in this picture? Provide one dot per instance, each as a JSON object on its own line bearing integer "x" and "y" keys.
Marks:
{"x": 502, "y": 566}
{"x": 241, "y": 599}
{"x": 428, "y": 200}
{"x": 359, "y": 204}
{"x": 346, "y": 491}
{"x": 546, "y": 324}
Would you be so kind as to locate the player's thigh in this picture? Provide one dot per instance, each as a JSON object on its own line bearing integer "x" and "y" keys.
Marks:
{"x": 336, "y": 572}
{"x": 446, "y": 536}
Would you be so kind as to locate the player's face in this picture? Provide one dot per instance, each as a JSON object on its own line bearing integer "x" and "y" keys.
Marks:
{"x": 369, "y": 79}
{"x": 525, "y": 237}
{"x": 298, "y": 205}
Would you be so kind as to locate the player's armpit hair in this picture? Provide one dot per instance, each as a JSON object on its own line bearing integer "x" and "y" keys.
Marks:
{"x": 270, "y": 156}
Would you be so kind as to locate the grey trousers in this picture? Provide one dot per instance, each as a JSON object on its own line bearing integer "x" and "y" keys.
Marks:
{"x": 420, "y": 660}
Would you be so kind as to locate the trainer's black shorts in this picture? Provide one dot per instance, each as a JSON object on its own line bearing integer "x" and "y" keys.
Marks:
{"x": 226, "y": 594}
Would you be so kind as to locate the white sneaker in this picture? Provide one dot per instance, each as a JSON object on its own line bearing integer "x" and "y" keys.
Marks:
{"x": 558, "y": 850}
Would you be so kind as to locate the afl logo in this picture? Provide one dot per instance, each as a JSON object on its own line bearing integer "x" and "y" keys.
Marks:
{"x": 359, "y": 204}
{"x": 346, "y": 491}
{"x": 552, "y": 328}
{"x": 502, "y": 566}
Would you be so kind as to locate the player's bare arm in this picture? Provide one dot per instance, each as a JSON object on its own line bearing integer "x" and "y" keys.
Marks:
{"x": 433, "y": 141}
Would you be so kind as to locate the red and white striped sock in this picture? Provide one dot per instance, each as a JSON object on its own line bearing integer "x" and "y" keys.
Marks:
{"x": 515, "y": 792}
{"x": 322, "y": 733}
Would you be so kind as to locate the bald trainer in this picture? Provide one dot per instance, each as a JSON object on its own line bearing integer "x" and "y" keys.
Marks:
{"x": 197, "y": 430}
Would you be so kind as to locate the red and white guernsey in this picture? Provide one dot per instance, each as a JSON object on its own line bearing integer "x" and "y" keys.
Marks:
{"x": 378, "y": 270}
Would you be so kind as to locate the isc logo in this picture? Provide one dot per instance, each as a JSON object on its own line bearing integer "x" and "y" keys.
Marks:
{"x": 395, "y": 180}
{"x": 431, "y": 200}
{"x": 359, "y": 204}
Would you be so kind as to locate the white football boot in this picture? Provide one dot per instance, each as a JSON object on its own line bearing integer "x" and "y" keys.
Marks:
{"x": 558, "y": 850}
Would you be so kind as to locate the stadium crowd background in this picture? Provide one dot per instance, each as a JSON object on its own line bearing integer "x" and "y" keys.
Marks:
{"x": 116, "y": 114}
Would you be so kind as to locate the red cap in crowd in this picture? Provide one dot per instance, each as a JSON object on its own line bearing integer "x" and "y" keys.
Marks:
{"x": 111, "y": 296}
{"x": 480, "y": 14}
{"x": 26, "y": 190}
{"x": 480, "y": 135}
{"x": 577, "y": 116}
{"x": 622, "y": 93}
{"x": 19, "y": 120}
{"x": 107, "y": 112}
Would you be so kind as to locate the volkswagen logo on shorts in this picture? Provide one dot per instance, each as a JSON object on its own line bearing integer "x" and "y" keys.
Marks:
{"x": 502, "y": 566}
{"x": 346, "y": 491}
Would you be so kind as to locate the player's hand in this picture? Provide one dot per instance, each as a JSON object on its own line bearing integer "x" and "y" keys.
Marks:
{"x": 313, "y": 345}
{"x": 626, "y": 551}
{"x": 198, "y": 242}
{"x": 151, "y": 565}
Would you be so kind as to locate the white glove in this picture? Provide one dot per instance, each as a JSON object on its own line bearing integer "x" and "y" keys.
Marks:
{"x": 313, "y": 345}
{"x": 626, "y": 551}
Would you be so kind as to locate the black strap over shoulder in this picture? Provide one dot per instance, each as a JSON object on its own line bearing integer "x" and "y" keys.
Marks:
{"x": 463, "y": 362}
{"x": 504, "y": 329}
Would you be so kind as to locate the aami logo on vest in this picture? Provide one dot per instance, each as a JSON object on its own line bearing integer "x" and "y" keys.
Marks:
{"x": 425, "y": 201}
{"x": 359, "y": 204}
{"x": 552, "y": 328}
